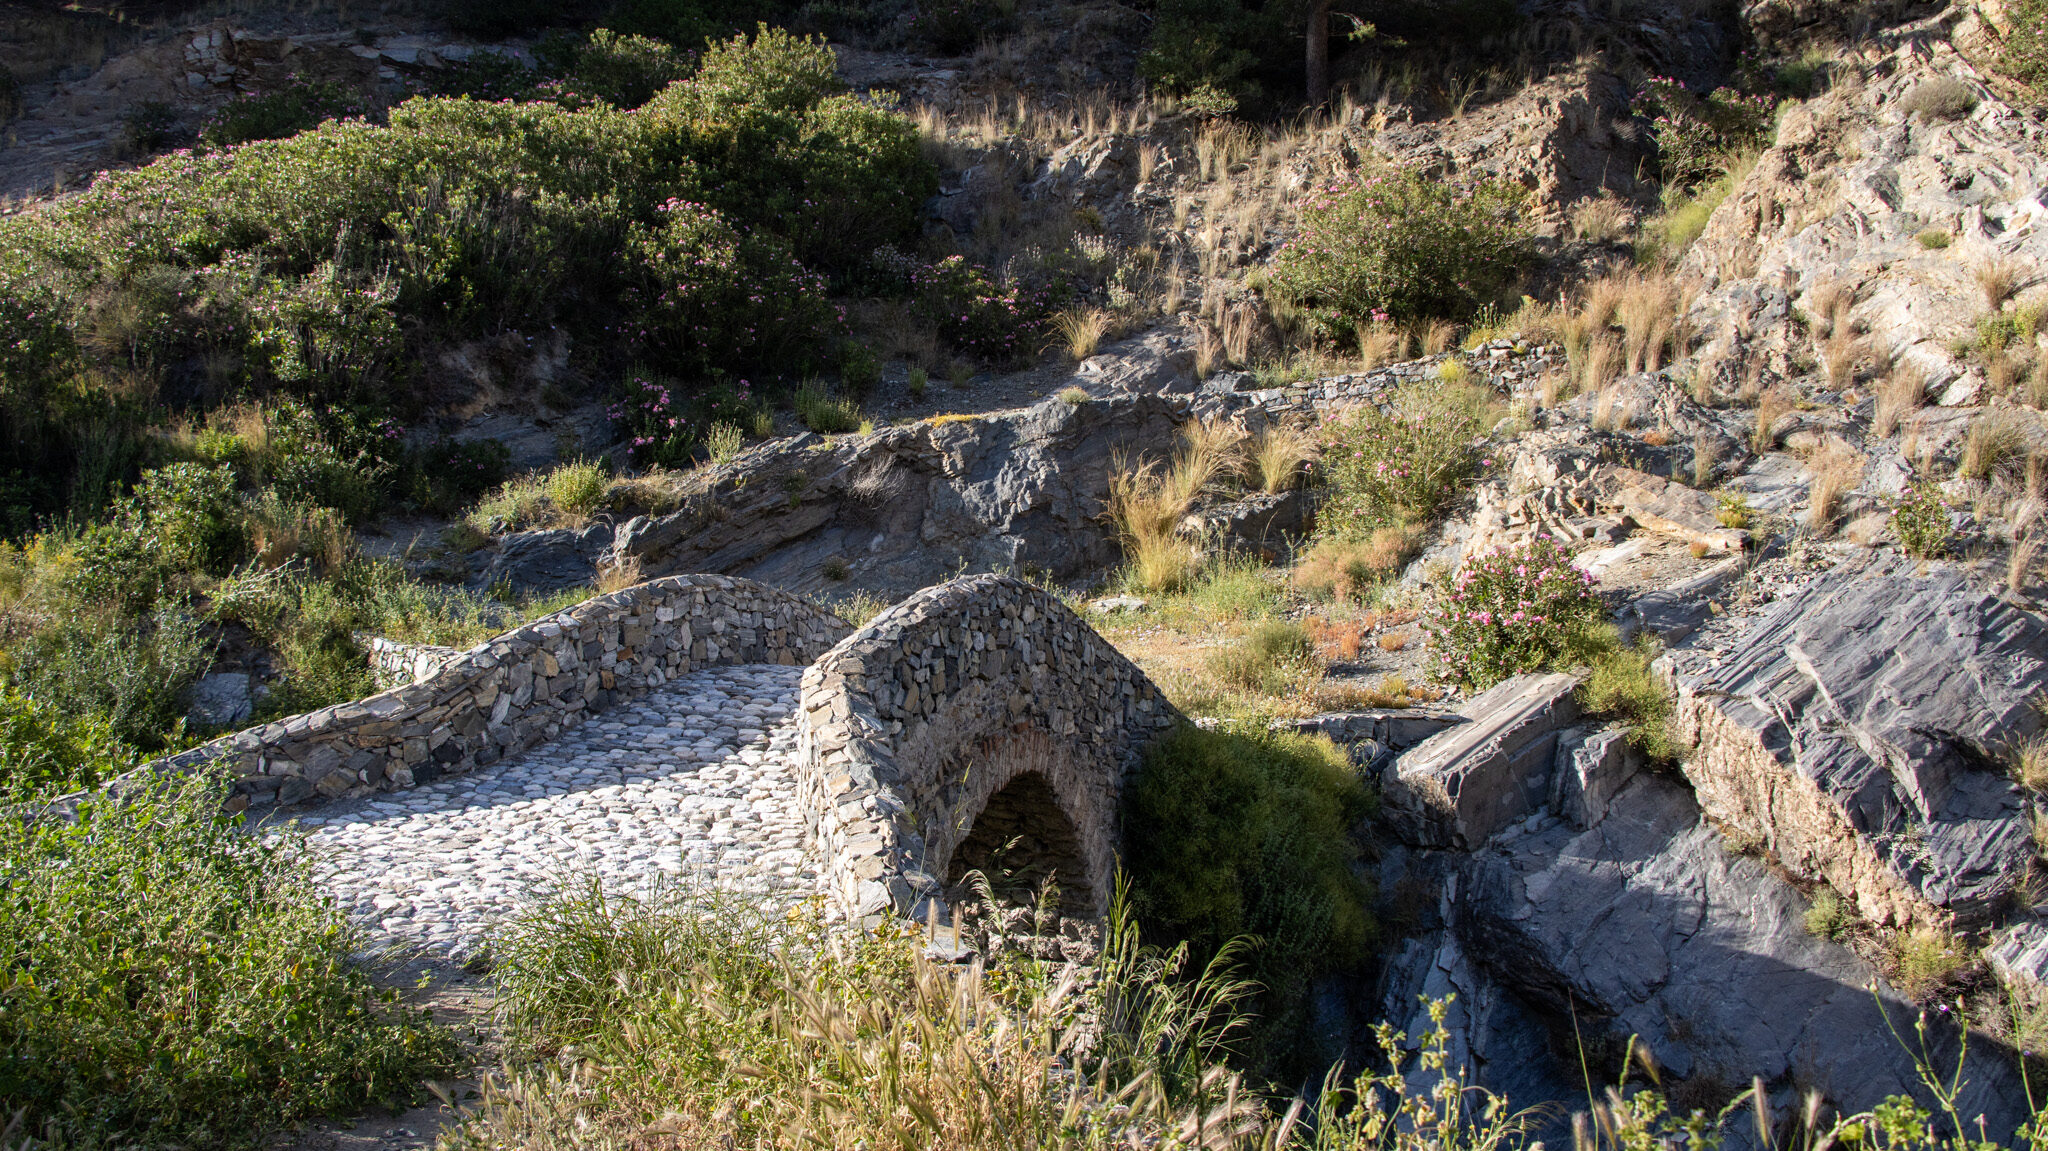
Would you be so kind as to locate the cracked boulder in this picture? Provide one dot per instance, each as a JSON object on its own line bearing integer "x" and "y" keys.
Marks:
{"x": 1856, "y": 732}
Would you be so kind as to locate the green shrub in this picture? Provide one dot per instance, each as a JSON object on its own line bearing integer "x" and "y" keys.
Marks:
{"x": 285, "y": 111}
{"x": 626, "y": 70}
{"x": 189, "y": 516}
{"x": 1214, "y": 44}
{"x": 707, "y": 296}
{"x": 1403, "y": 246}
{"x": 173, "y": 981}
{"x": 1402, "y": 463}
{"x": 2026, "y": 42}
{"x": 1259, "y": 660}
{"x": 578, "y": 488}
{"x": 976, "y": 315}
{"x": 1621, "y": 684}
{"x": 1511, "y": 611}
{"x": 1827, "y": 917}
{"x": 130, "y": 674}
{"x": 1933, "y": 239}
{"x": 42, "y": 749}
{"x": 1921, "y": 519}
{"x": 1695, "y": 133}
{"x": 859, "y": 370}
{"x": 1242, "y": 831}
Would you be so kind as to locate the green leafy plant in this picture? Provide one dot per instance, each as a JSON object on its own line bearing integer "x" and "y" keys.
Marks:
{"x": 1621, "y": 682}
{"x": 42, "y": 749}
{"x": 1732, "y": 510}
{"x": 1241, "y": 831}
{"x": 1402, "y": 463}
{"x": 1514, "y": 610}
{"x": 172, "y": 980}
{"x": 1398, "y": 245}
{"x": 1921, "y": 519}
{"x": 822, "y": 412}
{"x": 284, "y": 111}
{"x": 1827, "y": 917}
{"x": 130, "y": 675}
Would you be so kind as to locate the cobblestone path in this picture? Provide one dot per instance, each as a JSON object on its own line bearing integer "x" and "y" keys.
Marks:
{"x": 695, "y": 781}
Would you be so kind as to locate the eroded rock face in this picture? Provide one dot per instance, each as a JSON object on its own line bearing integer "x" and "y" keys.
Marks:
{"x": 1646, "y": 925}
{"x": 1855, "y": 731}
{"x": 904, "y": 507}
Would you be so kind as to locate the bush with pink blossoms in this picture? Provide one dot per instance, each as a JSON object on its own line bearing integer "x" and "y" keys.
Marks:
{"x": 1511, "y": 611}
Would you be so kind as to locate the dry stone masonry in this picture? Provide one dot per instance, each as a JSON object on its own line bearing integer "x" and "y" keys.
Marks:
{"x": 520, "y": 689}
{"x": 980, "y": 694}
{"x": 654, "y": 734}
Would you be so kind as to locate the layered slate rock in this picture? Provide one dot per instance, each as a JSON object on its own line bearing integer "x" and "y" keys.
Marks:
{"x": 1856, "y": 730}
{"x": 1646, "y": 925}
{"x": 1462, "y": 785}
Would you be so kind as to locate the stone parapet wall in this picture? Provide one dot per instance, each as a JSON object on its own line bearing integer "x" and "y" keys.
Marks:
{"x": 912, "y": 724}
{"x": 396, "y": 664}
{"x": 510, "y": 693}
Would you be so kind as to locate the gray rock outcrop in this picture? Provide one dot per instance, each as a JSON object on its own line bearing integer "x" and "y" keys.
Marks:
{"x": 1646, "y": 925}
{"x": 1465, "y": 783}
{"x": 1856, "y": 730}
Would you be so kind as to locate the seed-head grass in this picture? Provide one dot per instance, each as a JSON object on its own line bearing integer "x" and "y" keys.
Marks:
{"x": 1277, "y": 453}
{"x": 1836, "y": 469}
{"x": 1379, "y": 344}
{"x": 1899, "y": 394}
{"x": 1996, "y": 447}
{"x": 1842, "y": 350}
{"x": 1773, "y": 405}
{"x": 1081, "y": 330}
{"x": 1997, "y": 277}
{"x": 1436, "y": 336}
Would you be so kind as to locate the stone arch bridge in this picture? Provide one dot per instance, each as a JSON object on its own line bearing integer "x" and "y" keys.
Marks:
{"x": 717, "y": 732}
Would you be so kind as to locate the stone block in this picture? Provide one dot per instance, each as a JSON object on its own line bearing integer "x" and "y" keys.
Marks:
{"x": 1460, "y": 786}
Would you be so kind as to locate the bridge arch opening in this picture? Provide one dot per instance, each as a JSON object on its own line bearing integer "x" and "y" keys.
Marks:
{"x": 1021, "y": 840}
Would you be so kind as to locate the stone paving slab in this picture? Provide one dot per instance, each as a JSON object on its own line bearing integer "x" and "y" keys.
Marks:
{"x": 694, "y": 783}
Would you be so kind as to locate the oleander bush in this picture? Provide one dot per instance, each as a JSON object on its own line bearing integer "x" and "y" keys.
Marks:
{"x": 1399, "y": 245}
{"x": 172, "y": 981}
{"x": 1516, "y": 610}
{"x": 2026, "y": 42}
{"x": 1696, "y": 134}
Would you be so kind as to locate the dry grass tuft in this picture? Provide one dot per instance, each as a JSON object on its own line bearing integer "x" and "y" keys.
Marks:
{"x": 1899, "y": 395}
{"x": 1842, "y": 350}
{"x": 1436, "y": 336}
{"x": 1347, "y": 569}
{"x": 1602, "y": 364}
{"x": 1649, "y": 311}
{"x": 1082, "y": 330}
{"x": 1380, "y": 344}
{"x": 1602, "y": 219}
{"x": 1147, "y": 503}
{"x": 1836, "y": 469}
{"x": 617, "y": 574}
{"x": 1706, "y": 452}
{"x": 1774, "y": 405}
{"x": 1995, "y": 448}
{"x": 1277, "y": 454}
{"x": 1997, "y": 277}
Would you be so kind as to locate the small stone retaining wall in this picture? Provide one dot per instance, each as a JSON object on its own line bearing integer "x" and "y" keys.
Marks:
{"x": 519, "y": 689}
{"x": 910, "y": 726}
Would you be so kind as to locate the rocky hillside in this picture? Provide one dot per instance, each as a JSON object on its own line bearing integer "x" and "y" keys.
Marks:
{"x": 1586, "y": 484}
